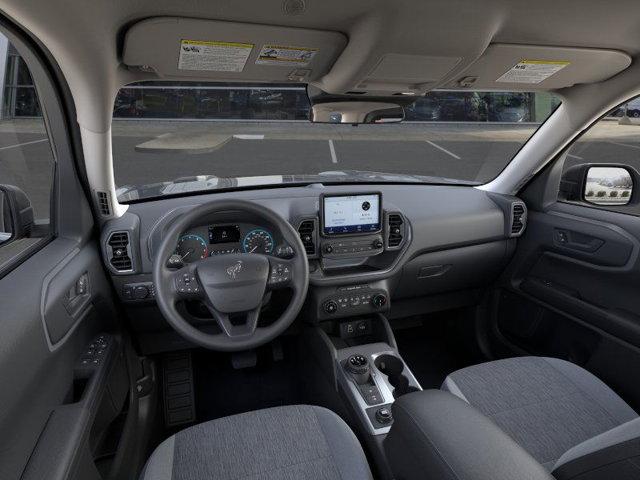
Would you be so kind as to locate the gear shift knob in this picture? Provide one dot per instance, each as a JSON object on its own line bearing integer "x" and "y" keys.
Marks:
{"x": 358, "y": 366}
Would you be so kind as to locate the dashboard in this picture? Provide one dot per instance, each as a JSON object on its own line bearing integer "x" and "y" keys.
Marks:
{"x": 400, "y": 250}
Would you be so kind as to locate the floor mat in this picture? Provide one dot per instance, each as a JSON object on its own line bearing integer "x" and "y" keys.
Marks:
{"x": 221, "y": 390}
{"x": 436, "y": 348}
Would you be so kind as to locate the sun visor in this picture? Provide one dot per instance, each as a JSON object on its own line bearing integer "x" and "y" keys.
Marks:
{"x": 182, "y": 48}
{"x": 529, "y": 67}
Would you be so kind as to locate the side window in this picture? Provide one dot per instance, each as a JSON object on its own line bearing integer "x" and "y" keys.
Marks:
{"x": 602, "y": 168}
{"x": 27, "y": 165}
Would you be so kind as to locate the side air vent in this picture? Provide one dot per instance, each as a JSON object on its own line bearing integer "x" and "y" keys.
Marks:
{"x": 119, "y": 252}
{"x": 395, "y": 230}
{"x": 103, "y": 203}
{"x": 306, "y": 229}
{"x": 518, "y": 219}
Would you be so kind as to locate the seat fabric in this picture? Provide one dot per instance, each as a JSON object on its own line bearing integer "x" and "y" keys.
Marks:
{"x": 546, "y": 405}
{"x": 294, "y": 442}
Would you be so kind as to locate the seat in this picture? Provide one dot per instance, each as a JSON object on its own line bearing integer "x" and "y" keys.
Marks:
{"x": 555, "y": 410}
{"x": 293, "y": 442}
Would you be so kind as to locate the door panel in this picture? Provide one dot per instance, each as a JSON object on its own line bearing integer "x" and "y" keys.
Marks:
{"x": 39, "y": 375}
{"x": 56, "y": 404}
{"x": 572, "y": 292}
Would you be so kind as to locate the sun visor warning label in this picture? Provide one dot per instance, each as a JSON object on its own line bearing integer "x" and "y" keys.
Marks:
{"x": 532, "y": 71}
{"x": 213, "y": 56}
{"x": 286, "y": 56}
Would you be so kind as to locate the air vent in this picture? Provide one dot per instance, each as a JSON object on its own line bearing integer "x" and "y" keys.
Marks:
{"x": 518, "y": 222}
{"x": 103, "y": 203}
{"x": 307, "y": 235}
{"x": 118, "y": 251}
{"x": 395, "y": 230}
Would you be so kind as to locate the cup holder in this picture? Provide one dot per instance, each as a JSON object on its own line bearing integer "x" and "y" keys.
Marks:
{"x": 393, "y": 367}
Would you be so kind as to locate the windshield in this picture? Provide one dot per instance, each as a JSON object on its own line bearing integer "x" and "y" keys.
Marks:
{"x": 176, "y": 138}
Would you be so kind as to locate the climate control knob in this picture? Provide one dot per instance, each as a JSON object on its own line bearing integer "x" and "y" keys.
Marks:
{"x": 328, "y": 248}
{"x": 331, "y": 307}
{"x": 378, "y": 244}
{"x": 379, "y": 300}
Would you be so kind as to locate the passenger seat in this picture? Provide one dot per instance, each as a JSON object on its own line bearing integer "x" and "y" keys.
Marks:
{"x": 563, "y": 416}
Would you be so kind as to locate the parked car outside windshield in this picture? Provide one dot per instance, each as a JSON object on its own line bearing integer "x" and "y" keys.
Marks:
{"x": 170, "y": 139}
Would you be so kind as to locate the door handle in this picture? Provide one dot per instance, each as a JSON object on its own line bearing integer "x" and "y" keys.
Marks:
{"x": 78, "y": 295}
{"x": 576, "y": 240}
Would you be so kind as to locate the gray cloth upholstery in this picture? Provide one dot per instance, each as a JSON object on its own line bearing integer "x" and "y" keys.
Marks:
{"x": 546, "y": 405}
{"x": 296, "y": 442}
{"x": 609, "y": 455}
{"x": 436, "y": 435}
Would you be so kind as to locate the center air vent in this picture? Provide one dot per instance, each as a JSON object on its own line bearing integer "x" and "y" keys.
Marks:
{"x": 395, "y": 229}
{"x": 519, "y": 218}
{"x": 118, "y": 252}
{"x": 307, "y": 235}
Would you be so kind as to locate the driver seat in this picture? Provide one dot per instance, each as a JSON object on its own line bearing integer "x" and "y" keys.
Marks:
{"x": 292, "y": 442}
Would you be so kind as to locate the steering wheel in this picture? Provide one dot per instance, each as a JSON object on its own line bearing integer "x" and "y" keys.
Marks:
{"x": 231, "y": 286}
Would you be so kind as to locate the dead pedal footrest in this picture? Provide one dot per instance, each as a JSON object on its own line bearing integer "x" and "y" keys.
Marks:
{"x": 177, "y": 385}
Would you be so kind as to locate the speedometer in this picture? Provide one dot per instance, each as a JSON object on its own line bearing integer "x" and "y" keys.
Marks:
{"x": 191, "y": 248}
{"x": 258, "y": 241}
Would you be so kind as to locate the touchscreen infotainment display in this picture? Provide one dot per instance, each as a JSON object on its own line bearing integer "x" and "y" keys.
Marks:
{"x": 351, "y": 214}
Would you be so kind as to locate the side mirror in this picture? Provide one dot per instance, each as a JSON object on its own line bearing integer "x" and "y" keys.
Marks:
{"x": 16, "y": 214}
{"x": 605, "y": 185}
{"x": 608, "y": 186}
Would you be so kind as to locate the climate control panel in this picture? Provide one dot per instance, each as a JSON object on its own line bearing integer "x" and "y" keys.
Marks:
{"x": 353, "y": 247}
{"x": 354, "y": 300}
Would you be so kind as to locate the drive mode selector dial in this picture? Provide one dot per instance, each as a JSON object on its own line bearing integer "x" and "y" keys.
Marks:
{"x": 357, "y": 364}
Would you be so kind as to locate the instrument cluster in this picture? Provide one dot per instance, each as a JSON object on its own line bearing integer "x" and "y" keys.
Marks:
{"x": 212, "y": 240}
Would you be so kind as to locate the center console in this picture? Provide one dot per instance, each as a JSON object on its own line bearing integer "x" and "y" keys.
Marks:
{"x": 372, "y": 377}
{"x": 367, "y": 373}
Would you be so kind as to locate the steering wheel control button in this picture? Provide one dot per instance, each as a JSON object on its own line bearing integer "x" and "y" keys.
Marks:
{"x": 187, "y": 284}
{"x": 280, "y": 274}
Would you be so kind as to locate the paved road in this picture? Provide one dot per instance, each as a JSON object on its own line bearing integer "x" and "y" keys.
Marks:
{"x": 26, "y": 159}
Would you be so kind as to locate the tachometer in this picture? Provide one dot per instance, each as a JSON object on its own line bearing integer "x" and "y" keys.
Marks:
{"x": 258, "y": 241}
{"x": 191, "y": 248}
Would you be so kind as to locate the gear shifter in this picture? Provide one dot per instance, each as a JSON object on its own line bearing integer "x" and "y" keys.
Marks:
{"x": 358, "y": 366}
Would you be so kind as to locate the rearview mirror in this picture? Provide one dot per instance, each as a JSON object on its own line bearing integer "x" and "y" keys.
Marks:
{"x": 608, "y": 186}
{"x": 356, "y": 112}
{"x": 16, "y": 214}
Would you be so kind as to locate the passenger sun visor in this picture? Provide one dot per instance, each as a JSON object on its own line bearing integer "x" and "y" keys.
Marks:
{"x": 529, "y": 67}
{"x": 182, "y": 48}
